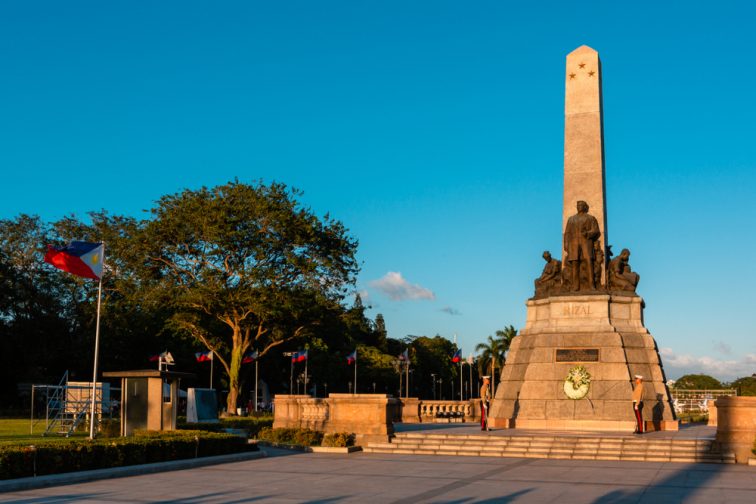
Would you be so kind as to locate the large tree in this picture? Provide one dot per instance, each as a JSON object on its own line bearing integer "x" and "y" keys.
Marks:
{"x": 244, "y": 266}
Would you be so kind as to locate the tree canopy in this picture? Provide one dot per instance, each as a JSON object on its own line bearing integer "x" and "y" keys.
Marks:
{"x": 243, "y": 266}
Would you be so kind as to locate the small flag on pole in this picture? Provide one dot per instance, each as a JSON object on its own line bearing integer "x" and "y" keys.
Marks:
{"x": 166, "y": 356}
{"x": 249, "y": 357}
{"x": 204, "y": 356}
{"x": 457, "y": 356}
{"x": 299, "y": 356}
{"x": 352, "y": 357}
{"x": 79, "y": 258}
{"x": 405, "y": 355}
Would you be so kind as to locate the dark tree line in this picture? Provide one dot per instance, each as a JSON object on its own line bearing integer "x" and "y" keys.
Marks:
{"x": 232, "y": 269}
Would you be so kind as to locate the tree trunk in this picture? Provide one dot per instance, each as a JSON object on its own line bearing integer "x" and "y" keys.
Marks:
{"x": 234, "y": 384}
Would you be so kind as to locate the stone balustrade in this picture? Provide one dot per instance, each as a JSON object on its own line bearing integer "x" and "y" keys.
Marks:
{"x": 430, "y": 410}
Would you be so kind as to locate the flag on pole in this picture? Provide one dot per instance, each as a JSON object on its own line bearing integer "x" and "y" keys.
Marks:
{"x": 249, "y": 357}
{"x": 157, "y": 357}
{"x": 470, "y": 359}
{"x": 405, "y": 355}
{"x": 352, "y": 357}
{"x": 299, "y": 356}
{"x": 457, "y": 356}
{"x": 82, "y": 259}
{"x": 204, "y": 356}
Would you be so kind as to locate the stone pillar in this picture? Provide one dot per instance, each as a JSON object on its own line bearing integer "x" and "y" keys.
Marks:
{"x": 736, "y": 426}
{"x": 584, "y": 138}
{"x": 410, "y": 410}
{"x": 711, "y": 405}
{"x": 368, "y": 416}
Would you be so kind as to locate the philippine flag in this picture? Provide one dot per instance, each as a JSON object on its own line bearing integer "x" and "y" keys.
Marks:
{"x": 249, "y": 357}
{"x": 204, "y": 356}
{"x": 457, "y": 356}
{"x": 352, "y": 357}
{"x": 299, "y": 356}
{"x": 82, "y": 259}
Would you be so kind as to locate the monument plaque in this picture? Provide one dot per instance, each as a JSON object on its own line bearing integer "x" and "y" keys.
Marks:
{"x": 577, "y": 355}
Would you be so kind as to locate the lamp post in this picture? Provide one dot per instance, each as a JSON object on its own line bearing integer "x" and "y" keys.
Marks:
{"x": 433, "y": 375}
{"x": 440, "y": 388}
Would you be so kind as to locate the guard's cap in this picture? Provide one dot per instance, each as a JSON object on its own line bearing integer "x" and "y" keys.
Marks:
{"x": 638, "y": 377}
{"x": 486, "y": 377}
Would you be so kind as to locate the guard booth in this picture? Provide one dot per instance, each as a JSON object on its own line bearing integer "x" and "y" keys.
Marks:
{"x": 149, "y": 398}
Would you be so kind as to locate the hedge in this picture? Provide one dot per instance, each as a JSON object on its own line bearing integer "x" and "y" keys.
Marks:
{"x": 53, "y": 457}
{"x": 251, "y": 424}
{"x": 305, "y": 437}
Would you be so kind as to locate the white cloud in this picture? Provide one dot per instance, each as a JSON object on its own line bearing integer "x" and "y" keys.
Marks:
{"x": 722, "y": 369}
{"x": 398, "y": 289}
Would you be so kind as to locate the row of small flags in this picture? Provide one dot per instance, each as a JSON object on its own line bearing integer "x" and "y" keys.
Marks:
{"x": 86, "y": 259}
{"x": 296, "y": 357}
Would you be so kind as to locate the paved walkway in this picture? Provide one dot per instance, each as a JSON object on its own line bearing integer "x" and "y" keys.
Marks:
{"x": 322, "y": 478}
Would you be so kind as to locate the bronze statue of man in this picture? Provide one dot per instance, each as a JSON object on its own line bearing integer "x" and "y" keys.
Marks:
{"x": 580, "y": 235}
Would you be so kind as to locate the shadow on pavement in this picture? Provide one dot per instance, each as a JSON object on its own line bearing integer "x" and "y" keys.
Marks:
{"x": 677, "y": 487}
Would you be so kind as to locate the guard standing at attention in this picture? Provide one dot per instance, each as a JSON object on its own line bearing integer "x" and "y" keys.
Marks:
{"x": 485, "y": 398}
{"x": 638, "y": 404}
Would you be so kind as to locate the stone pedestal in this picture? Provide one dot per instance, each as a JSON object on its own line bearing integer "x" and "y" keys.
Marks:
{"x": 605, "y": 334}
{"x": 736, "y": 426}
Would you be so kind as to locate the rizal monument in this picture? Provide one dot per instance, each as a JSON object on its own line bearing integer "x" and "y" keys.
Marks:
{"x": 572, "y": 365}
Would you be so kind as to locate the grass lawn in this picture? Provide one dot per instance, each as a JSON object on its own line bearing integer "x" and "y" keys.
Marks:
{"x": 16, "y": 430}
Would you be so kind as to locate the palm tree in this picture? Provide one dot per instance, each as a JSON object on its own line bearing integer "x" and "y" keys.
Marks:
{"x": 494, "y": 351}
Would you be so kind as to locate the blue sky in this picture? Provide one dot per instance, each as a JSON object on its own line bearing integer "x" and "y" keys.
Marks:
{"x": 433, "y": 130}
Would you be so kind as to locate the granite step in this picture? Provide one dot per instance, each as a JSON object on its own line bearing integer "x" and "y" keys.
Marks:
{"x": 555, "y": 447}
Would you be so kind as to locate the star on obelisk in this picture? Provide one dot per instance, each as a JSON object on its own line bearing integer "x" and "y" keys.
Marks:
{"x": 584, "y": 137}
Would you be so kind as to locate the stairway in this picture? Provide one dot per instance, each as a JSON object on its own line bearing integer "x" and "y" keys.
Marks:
{"x": 582, "y": 447}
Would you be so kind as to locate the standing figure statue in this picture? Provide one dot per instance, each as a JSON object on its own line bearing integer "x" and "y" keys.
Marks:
{"x": 580, "y": 235}
{"x": 621, "y": 277}
{"x": 550, "y": 277}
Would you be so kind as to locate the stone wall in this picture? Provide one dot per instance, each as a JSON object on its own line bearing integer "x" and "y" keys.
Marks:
{"x": 368, "y": 416}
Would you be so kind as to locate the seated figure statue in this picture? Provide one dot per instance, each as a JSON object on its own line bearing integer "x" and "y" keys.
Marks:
{"x": 621, "y": 277}
{"x": 550, "y": 278}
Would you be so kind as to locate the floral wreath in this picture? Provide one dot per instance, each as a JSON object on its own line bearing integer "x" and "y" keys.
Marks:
{"x": 577, "y": 383}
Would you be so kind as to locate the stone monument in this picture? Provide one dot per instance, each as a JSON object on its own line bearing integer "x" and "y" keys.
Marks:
{"x": 571, "y": 367}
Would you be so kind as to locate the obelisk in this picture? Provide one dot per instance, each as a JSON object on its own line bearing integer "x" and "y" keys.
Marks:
{"x": 584, "y": 138}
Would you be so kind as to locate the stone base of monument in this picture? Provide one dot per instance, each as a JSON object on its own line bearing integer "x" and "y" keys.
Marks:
{"x": 571, "y": 368}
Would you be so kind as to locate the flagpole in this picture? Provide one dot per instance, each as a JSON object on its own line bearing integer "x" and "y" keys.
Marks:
{"x": 355, "y": 371}
{"x": 461, "y": 384}
{"x": 255, "y": 383}
{"x": 307, "y": 361}
{"x": 212, "y": 361}
{"x": 96, "y": 354}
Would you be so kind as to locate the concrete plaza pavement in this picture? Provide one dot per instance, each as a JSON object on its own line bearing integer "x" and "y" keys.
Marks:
{"x": 286, "y": 476}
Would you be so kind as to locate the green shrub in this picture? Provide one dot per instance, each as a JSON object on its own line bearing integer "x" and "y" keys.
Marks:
{"x": 52, "y": 457}
{"x": 300, "y": 437}
{"x": 338, "y": 439}
{"x": 251, "y": 424}
{"x": 110, "y": 428}
{"x": 693, "y": 417}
